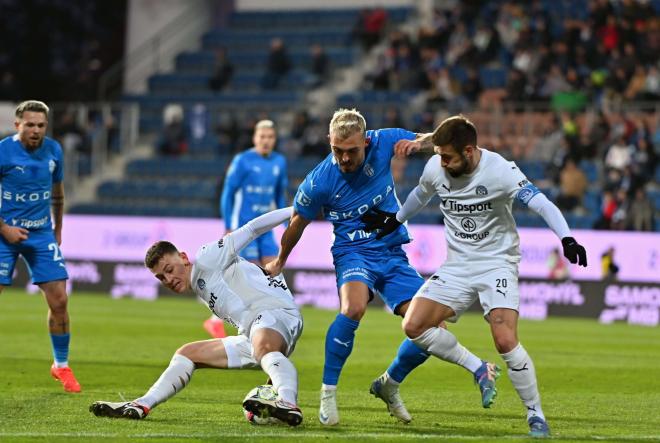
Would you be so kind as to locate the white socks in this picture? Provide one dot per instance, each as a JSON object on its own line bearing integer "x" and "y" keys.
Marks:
{"x": 283, "y": 374}
{"x": 172, "y": 380}
{"x": 523, "y": 377}
{"x": 443, "y": 344}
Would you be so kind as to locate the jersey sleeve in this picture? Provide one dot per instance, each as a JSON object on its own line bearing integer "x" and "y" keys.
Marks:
{"x": 215, "y": 255}
{"x": 516, "y": 185}
{"x": 421, "y": 195}
{"x": 388, "y": 137}
{"x": 255, "y": 228}
{"x": 58, "y": 172}
{"x": 309, "y": 198}
{"x": 232, "y": 183}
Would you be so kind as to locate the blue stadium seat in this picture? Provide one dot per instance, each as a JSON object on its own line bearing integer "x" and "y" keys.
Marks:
{"x": 492, "y": 78}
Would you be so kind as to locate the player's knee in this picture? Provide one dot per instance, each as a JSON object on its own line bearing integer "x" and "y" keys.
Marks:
{"x": 58, "y": 303}
{"x": 354, "y": 311}
{"x": 190, "y": 351}
{"x": 263, "y": 349}
{"x": 413, "y": 328}
{"x": 505, "y": 342}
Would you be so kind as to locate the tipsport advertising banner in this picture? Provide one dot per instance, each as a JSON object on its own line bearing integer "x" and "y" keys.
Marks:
{"x": 105, "y": 254}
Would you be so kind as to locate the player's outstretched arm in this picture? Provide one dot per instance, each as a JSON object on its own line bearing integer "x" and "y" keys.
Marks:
{"x": 422, "y": 143}
{"x": 573, "y": 251}
{"x": 290, "y": 239}
{"x": 258, "y": 226}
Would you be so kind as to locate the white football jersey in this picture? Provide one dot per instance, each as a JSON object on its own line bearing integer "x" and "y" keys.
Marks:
{"x": 235, "y": 289}
{"x": 479, "y": 226}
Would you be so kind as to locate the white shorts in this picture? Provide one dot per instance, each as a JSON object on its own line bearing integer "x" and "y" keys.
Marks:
{"x": 458, "y": 285}
{"x": 288, "y": 322}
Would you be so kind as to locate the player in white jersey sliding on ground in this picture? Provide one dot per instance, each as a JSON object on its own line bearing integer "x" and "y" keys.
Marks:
{"x": 260, "y": 306}
{"x": 476, "y": 188}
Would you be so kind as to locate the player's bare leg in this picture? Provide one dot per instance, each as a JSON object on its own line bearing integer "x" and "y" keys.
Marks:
{"x": 520, "y": 367}
{"x": 421, "y": 326}
{"x": 191, "y": 356}
{"x": 59, "y": 327}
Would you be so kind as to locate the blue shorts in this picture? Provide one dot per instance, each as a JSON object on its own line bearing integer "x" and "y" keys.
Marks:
{"x": 41, "y": 253}
{"x": 386, "y": 273}
{"x": 263, "y": 246}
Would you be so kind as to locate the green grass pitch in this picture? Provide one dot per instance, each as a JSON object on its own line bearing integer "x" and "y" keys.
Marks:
{"x": 597, "y": 382}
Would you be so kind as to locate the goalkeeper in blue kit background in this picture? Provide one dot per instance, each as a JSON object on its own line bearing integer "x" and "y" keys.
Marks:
{"x": 31, "y": 173}
{"x": 255, "y": 184}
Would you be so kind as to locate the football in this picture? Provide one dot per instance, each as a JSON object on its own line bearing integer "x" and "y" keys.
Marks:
{"x": 266, "y": 392}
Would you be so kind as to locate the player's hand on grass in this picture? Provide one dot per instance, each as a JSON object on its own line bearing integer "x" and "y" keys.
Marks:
{"x": 574, "y": 252}
{"x": 14, "y": 234}
{"x": 404, "y": 148}
{"x": 383, "y": 221}
{"x": 274, "y": 268}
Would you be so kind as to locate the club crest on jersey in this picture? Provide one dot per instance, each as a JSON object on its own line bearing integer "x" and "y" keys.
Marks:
{"x": 303, "y": 199}
{"x": 51, "y": 166}
{"x": 369, "y": 170}
{"x": 201, "y": 284}
{"x": 482, "y": 190}
{"x": 468, "y": 224}
{"x": 276, "y": 170}
{"x": 221, "y": 243}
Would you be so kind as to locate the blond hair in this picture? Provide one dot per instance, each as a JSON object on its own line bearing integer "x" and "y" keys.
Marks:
{"x": 31, "y": 106}
{"x": 264, "y": 124}
{"x": 346, "y": 122}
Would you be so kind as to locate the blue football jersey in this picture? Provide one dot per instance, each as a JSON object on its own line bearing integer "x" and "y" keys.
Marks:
{"x": 26, "y": 180}
{"x": 344, "y": 197}
{"x": 254, "y": 185}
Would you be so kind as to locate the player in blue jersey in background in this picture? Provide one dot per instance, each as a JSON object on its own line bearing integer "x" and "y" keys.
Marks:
{"x": 255, "y": 184}
{"x": 31, "y": 173}
{"x": 353, "y": 179}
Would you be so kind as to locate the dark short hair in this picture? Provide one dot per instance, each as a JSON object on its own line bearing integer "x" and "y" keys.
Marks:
{"x": 157, "y": 251}
{"x": 456, "y": 131}
{"x": 31, "y": 106}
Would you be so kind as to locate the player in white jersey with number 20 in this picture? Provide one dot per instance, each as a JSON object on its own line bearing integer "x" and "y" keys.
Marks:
{"x": 476, "y": 188}
{"x": 260, "y": 306}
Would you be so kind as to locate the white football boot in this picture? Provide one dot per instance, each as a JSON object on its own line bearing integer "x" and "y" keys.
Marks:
{"x": 389, "y": 393}
{"x": 328, "y": 414}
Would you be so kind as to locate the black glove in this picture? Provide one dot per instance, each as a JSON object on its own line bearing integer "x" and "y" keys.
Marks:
{"x": 574, "y": 252}
{"x": 377, "y": 219}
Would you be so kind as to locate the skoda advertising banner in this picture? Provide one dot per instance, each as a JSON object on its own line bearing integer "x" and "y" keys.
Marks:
{"x": 105, "y": 254}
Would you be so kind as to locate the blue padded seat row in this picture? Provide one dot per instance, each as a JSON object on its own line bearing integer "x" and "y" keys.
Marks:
{"x": 251, "y": 59}
{"x": 592, "y": 201}
{"x": 224, "y": 100}
{"x": 240, "y": 39}
{"x": 301, "y": 166}
{"x": 179, "y": 83}
{"x": 393, "y": 97}
{"x": 533, "y": 170}
{"x": 340, "y": 18}
{"x": 492, "y": 78}
{"x": 178, "y": 167}
{"x": 201, "y": 190}
{"x": 590, "y": 169}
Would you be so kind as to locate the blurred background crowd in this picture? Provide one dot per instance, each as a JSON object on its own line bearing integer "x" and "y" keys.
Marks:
{"x": 568, "y": 89}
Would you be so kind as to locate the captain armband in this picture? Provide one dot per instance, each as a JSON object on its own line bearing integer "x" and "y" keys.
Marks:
{"x": 525, "y": 194}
